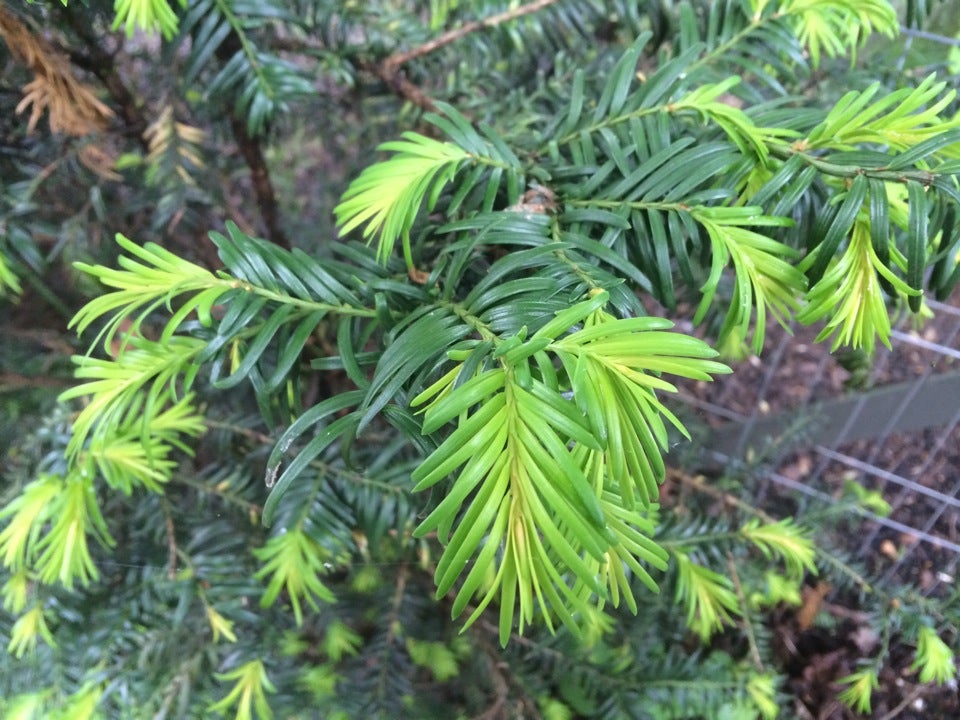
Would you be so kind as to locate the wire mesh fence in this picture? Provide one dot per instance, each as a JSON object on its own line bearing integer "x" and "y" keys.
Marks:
{"x": 809, "y": 422}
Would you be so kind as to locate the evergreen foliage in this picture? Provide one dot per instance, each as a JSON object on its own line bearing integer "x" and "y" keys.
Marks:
{"x": 276, "y": 479}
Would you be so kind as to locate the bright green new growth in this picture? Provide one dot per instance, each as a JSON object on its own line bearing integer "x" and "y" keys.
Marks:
{"x": 836, "y": 26}
{"x": 146, "y": 15}
{"x": 710, "y": 598}
{"x": 49, "y": 527}
{"x": 294, "y": 562}
{"x": 860, "y": 687}
{"x": 30, "y": 627}
{"x": 934, "y": 658}
{"x": 8, "y": 281}
{"x": 558, "y": 442}
{"x": 551, "y": 477}
{"x": 248, "y": 693}
{"x": 414, "y": 177}
{"x": 850, "y": 295}
{"x": 509, "y": 362}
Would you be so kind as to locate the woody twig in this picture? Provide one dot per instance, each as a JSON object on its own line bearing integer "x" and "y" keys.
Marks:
{"x": 393, "y": 62}
{"x": 389, "y": 70}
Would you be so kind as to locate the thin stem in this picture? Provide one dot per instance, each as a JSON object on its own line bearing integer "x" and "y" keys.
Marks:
{"x": 252, "y": 152}
{"x": 12, "y": 382}
{"x": 172, "y": 548}
{"x": 184, "y": 479}
{"x": 44, "y": 291}
{"x": 401, "y": 86}
{"x": 723, "y": 48}
{"x": 103, "y": 64}
{"x": 248, "y": 144}
{"x": 911, "y": 696}
{"x": 391, "y": 625}
{"x": 699, "y": 483}
{"x": 388, "y": 70}
{"x": 845, "y": 569}
{"x": 249, "y": 50}
{"x": 703, "y": 539}
{"x": 397, "y": 59}
{"x": 248, "y": 433}
{"x": 611, "y": 121}
{"x": 310, "y": 305}
{"x": 707, "y": 58}
{"x": 926, "y": 35}
{"x": 497, "y": 676}
{"x": 633, "y": 204}
{"x": 472, "y": 320}
{"x": 693, "y": 684}
{"x": 745, "y": 614}
{"x": 577, "y": 270}
{"x": 924, "y": 177}
{"x": 398, "y": 84}
{"x": 575, "y": 267}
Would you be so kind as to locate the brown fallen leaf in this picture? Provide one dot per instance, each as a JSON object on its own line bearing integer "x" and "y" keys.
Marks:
{"x": 812, "y": 598}
{"x": 889, "y": 549}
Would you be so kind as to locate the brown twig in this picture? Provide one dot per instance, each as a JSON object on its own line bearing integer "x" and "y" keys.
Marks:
{"x": 16, "y": 381}
{"x": 501, "y": 688}
{"x": 482, "y": 631}
{"x": 397, "y": 59}
{"x": 249, "y": 433}
{"x": 388, "y": 70}
{"x": 699, "y": 483}
{"x": 46, "y": 339}
{"x": 400, "y": 85}
{"x": 221, "y": 493}
{"x": 913, "y": 695}
{"x": 252, "y": 153}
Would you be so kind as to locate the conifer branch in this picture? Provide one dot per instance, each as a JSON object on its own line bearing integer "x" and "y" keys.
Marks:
{"x": 745, "y": 621}
{"x": 500, "y": 410}
{"x": 397, "y": 59}
{"x": 388, "y": 70}
{"x": 400, "y": 85}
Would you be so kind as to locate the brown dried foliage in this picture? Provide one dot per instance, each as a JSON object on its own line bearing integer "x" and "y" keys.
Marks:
{"x": 73, "y": 108}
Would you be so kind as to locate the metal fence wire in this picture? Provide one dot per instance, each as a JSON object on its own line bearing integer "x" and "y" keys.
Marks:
{"x": 807, "y": 426}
